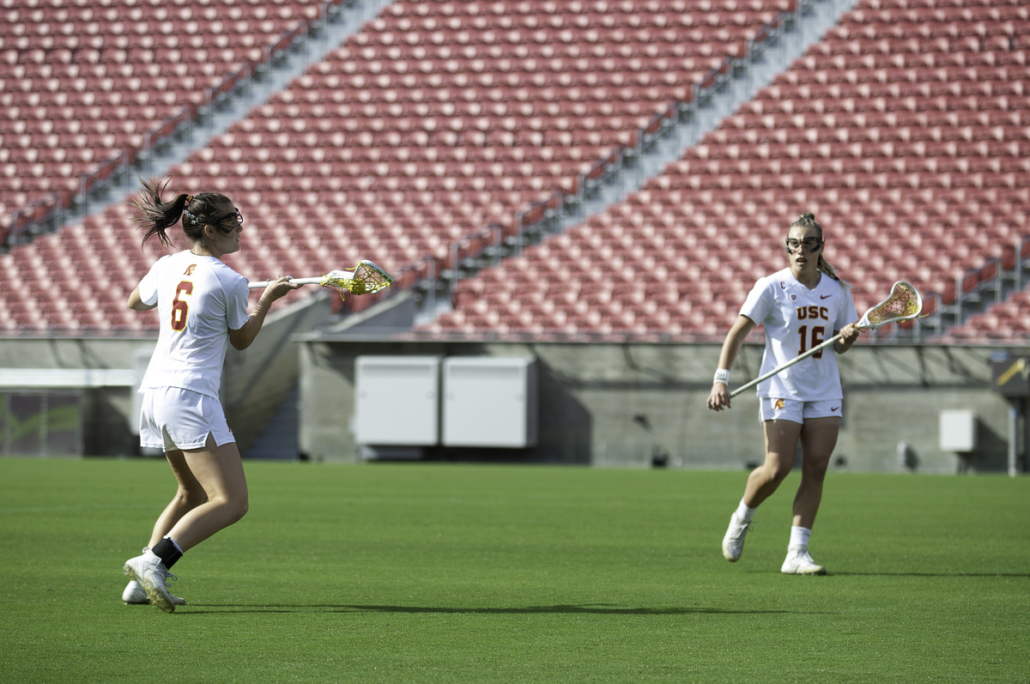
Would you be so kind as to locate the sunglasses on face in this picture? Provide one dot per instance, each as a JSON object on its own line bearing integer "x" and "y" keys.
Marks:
{"x": 810, "y": 244}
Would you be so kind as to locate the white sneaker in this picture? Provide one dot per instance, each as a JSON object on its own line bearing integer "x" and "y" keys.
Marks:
{"x": 801, "y": 564}
{"x": 733, "y": 542}
{"x": 151, "y": 578}
{"x": 135, "y": 595}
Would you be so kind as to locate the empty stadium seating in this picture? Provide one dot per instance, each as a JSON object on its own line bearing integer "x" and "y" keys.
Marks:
{"x": 907, "y": 132}
{"x": 87, "y": 86}
{"x": 438, "y": 119}
{"x": 441, "y": 118}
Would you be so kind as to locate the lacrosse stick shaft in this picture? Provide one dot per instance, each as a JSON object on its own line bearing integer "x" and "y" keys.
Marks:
{"x": 297, "y": 281}
{"x": 774, "y": 371}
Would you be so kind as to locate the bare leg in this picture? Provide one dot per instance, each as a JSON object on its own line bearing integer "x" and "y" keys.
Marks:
{"x": 818, "y": 439}
{"x": 781, "y": 443}
{"x": 190, "y": 495}
{"x": 219, "y": 472}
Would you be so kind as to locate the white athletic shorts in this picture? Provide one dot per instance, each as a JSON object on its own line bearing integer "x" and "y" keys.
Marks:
{"x": 175, "y": 418}
{"x": 798, "y": 411}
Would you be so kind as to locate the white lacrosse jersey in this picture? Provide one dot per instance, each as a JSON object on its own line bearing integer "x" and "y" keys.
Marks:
{"x": 797, "y": 319}
{"x": 199, "y": 299}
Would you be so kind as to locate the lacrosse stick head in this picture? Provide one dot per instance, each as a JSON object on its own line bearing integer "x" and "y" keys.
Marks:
{"x": 367, "y": 278}
{"x": 903, "y": 304}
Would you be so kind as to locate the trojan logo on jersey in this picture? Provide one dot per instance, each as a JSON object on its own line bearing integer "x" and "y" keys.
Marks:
{"x": 778, "y": 404}
{"x": 189, "y": 269}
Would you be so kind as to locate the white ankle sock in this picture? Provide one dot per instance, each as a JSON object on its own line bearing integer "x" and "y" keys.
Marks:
{"x": 799, "y": 539}
{"x": 744, "y": 512}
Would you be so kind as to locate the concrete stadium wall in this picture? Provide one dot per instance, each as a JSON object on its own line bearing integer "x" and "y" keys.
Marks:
{"x": 105, "y": 410}
{"x": 254, "y": 381}
{"x": 623, "y": 404}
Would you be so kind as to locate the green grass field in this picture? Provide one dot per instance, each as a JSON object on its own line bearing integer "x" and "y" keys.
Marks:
{"x": 444, "y": 573}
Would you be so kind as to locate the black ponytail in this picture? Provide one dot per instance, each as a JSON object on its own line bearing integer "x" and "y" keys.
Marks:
{"x": 157, "y": 216}
{"x": 195, "y": 211}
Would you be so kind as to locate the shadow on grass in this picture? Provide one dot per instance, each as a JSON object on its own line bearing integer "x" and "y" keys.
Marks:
{"x": 931, "y": 574}
{"x": 900, "y": 574}
{"x": 586, "y": 609}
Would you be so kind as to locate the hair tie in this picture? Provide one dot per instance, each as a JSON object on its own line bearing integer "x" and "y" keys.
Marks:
{"x": 186, "y": 210}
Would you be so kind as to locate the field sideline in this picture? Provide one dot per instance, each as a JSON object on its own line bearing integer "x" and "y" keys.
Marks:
{"x": 446, "y": 573}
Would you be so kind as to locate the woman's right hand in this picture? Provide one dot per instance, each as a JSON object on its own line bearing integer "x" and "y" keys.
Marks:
{"x": 719, "y": 397}
{"x": 278, "y": 288}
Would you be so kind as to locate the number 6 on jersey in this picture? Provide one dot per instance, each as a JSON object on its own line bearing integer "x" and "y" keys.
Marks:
{"x": 180, "y": 308}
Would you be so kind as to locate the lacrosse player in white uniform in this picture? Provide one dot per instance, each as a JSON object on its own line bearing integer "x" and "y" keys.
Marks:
{"x": 202, "y": 306}
{"x": 800, "y": 306}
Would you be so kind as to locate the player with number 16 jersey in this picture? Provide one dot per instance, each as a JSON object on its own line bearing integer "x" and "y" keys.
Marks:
{"x": 796, "y": 319}
{"x": 800, "y": 307}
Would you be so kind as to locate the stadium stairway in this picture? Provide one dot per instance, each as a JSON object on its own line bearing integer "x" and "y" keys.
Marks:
{"x": 268, "y": 80}
{"x": 804, "y": 28}
{"x": 750, "y": 75}
{"x": 278, "y": 440}
{"x": 1003, "y": 312}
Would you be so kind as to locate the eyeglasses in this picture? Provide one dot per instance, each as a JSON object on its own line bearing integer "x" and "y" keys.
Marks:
{"x": 234, "y": 219}
{"x": 810, "y": 244}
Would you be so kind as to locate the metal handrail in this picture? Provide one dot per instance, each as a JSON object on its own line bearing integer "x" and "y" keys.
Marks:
{"x": 16, "y": 230}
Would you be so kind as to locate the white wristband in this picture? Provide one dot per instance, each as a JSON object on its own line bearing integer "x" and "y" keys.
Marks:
{"x": 722, "y": 375}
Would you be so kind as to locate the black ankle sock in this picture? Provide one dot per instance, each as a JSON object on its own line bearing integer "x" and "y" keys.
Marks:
{"x": 167, "y": 552}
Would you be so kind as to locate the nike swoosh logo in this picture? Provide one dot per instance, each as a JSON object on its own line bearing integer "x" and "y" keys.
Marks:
{"x": 834, "y": 408}
{"x": 824, "y": 296}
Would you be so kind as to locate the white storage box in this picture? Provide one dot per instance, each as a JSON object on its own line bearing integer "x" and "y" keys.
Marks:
{"x": 397, "y": 400}
{"x": 958, "y": 431}
{"x": 489, "y": 402}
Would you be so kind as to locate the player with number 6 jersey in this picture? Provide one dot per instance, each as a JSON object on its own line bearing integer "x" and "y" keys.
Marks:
{"x": 799, "y": 307}
{"x": 199, "y": 299}
{"x": 202, "y": 308}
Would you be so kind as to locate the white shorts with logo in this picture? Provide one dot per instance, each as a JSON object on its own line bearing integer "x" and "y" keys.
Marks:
{"x": 175, "y": 418}
{"x": 798, "y": 411}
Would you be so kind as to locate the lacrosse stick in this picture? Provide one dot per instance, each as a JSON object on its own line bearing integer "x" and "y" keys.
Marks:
{"x": 366, "y": 278}
{"x": 903, "y": 304}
